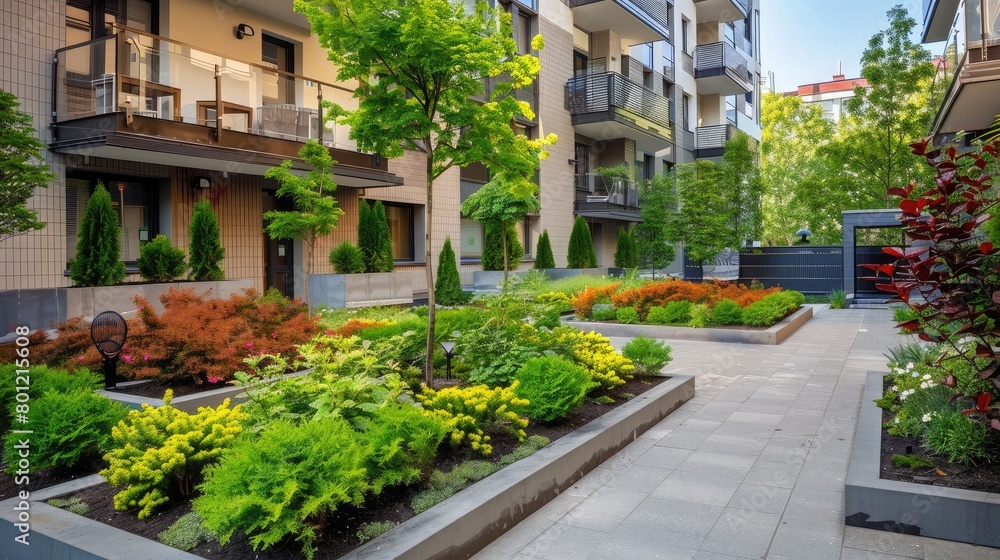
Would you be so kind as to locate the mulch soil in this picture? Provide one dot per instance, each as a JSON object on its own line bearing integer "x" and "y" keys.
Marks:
{"x": 338, "y": 536}
{"x": 155, "y": 388}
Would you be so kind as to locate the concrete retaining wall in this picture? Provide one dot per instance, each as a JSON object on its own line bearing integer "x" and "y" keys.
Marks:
{"x": 361, "y": 290}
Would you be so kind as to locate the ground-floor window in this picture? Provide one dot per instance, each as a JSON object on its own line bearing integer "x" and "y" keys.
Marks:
{"x": 136, "y": 215}
{"x": 400, "y": 217}
{"x": 473, "y": 233}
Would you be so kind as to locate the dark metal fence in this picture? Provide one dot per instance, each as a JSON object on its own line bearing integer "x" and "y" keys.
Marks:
{"x": 808, "y": 269}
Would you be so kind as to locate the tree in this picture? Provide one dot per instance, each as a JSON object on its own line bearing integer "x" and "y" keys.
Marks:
{"x": 449, "y": 285}
{"x": 422, "y": 67}
{"x": 792, "y": 132}
{"x": 656, "y": 204}
{"x": 21, "y": 170}
{"x": 499, "y": 206}
{"x": 315, "y": 212}
{"x": 206, "y": 252}
{"x": 702, "y": 221}
{"x": 98, "y": 259}
{"x": 580, "y": 253}
{"x": 742, "y": 188}
{"x": 543, "y": 252}
{"x": 383, "y": 258}
{"x": 625, "y": 249}
{"x": 367, "y": 234}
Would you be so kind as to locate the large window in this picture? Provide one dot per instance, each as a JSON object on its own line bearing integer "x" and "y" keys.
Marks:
{"x": 137, "y": 215}
{"x": 400, "y": 217}
{"x": 90, "y": 19}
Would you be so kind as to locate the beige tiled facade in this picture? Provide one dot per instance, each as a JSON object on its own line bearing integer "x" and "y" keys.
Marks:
{"x": 32, "y": 31}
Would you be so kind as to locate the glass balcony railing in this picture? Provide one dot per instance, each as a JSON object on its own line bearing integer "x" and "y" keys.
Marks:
{"x": 153, "y": 77}
{"x": 598, "y": 189}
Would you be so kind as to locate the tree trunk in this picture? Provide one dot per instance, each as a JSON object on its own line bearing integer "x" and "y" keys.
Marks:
{"x": 307, "y": 268}
{"x": 506, "y": 261}
{"x": 428, "y": 227}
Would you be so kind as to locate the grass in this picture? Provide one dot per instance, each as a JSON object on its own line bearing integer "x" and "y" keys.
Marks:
{"x": 332, "y": 318}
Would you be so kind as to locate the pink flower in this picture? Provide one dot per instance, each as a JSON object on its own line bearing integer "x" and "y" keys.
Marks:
{"x": 249, "y": 345}
{"x": 329, "y": 332}
{"x": 145, "y": 358}
{"x": 274, "y": 335}
{"x": 80, "y": 358}
{"x": 127, "y": 358}
{"x": 214, "y": 379}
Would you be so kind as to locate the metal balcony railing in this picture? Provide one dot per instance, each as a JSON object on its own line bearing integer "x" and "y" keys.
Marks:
{"x": 655, "y": 10}
{"x": 715, "y": 136}
{"x": 608, "y": 190}
{"x": 597, "y": 93}
{"x": 709, "y": 59}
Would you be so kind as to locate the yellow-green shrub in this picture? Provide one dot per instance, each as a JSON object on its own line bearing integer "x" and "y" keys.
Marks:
{"x": 159, "y": 451}
{"x": 553, "y": 297}
{"x": 594, "y": 352}
{"x": 470, "y": 412}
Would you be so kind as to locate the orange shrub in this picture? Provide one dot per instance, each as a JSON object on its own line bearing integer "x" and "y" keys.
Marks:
{"x": 584, "y": 300}
{"x": 353, "y": 326}
{"x": 654, "y": 294}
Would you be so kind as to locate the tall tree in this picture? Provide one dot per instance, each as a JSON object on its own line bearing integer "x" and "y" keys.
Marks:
{"x": 421, "y": 68}
{"x": 792, "y": 132}
{"x": 657, "y": 202}
{"x": 872, "y": 153}
{"x": 21, "y": 169}
{"x": 503, "y": 205}
{"x": 742, "y": 188}
{"x": 315, "y": 211}
{"x": 702, "y": 222}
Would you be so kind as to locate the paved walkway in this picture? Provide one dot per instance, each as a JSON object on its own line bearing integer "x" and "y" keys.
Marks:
{"x": 752, "y": 467}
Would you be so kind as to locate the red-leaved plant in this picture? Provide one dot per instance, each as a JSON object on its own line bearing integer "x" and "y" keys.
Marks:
{"x": 950, "y": 265}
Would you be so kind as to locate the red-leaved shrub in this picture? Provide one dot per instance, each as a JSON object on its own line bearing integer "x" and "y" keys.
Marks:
{"x": 584, "y": 300}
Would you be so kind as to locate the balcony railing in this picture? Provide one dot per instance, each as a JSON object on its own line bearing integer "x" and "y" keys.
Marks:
{"x": 715, "y": 136}
{"x": 597, "y": 93}
{"x": 153, "y": 77}
{"x": 654, "y": 13}
{"x": 713, "y": 58}
{"x": 598, "y": 189}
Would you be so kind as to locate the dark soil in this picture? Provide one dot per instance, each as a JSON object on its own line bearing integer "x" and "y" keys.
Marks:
{"x": 339, "y": 533}
{"x": 43, "y": 479}
{"x": 155, "y": 388}
{"x": 983, "y": 478}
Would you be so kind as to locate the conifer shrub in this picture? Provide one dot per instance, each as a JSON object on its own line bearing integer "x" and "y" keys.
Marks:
{"x": 347, "y": 259}
{"x": 492, "y": 257}
{"x": 727, "y": 312}
{"x": 625, "y": 253}
{"x": 206, "y": 252}
{"x": 159, "y": 261}
{"x": 159, "y": 452}
{"x": 772, "y": 308}
{"x": 580, "y": 253}
{"x": 367, "y": 235}
{"x": 41, "y": 380}
{"x": 673, "y": 313}
{"x": 627, "y": 316}
{"x": 68, "y": 428}
{"x": 699, "y": 316}
{"x": 382, "y": 260}
{"x": 553, "y": 387}
{"x": 98, "y": 259}
{"x": 648, "y": 355}
{"x": 404, "y": 443}
{"x": 448, "y": 287}
{"x": 594, "y": 352}
{"x": 543, "y": 252}
{"x": 470, "y": 412}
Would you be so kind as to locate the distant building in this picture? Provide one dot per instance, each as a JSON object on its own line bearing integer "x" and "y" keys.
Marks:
{"x": 832, "y": 96}
{"x": 968, "y": 73}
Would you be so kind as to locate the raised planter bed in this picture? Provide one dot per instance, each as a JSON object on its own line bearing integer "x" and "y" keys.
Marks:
{"x": 189, "y": 403}
{"x": 906, "y": 507}
{"x": 489, "y": 280}
{"x": 773, "y": 335}
{"x": 457, "y": 527}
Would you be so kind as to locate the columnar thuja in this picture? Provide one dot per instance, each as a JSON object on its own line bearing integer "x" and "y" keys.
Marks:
{"x": 951, "y": 274}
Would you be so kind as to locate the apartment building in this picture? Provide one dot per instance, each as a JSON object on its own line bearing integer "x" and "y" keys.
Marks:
{"x": 167, "y": 102}
{"x": 831, "y": 95}
{"x": 968, "y": 67}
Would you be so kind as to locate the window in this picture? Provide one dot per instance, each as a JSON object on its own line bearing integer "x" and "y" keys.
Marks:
{"x": 684, "y": 35}
{"x": 643, "y": 53}
{"x": 137, "y": 214}
{"x": 472, "y": 239}
{"x": 81, "y": 16}
{"x": 400, "y": 217}
{"x": 279, "y": 89}
{"x": 685, "y": 104}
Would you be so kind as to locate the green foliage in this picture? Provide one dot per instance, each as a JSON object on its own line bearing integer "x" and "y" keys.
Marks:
{"x": 158, "y": 452}
{"x": 591, "y": 350}
{"x": 499, "y": 207}
{"x": 742, "y": 189}
{"x": 493, "y": 248}
{"x": 673, "y": 313}
{"x": 347, "y": 259}
{"x": 604, "y": 312}
{"x": 772, "y": 308}
{"x": 68, "y": 429}
{"x": 205, "y": 246}
{"x": 367, "y": 234}
{"x": 699, "y": 316}
{"x": 628, "y": 316}
{"x": 625, "y": 249}
{"x": 580, "y": 253}
{"x": 955, "y": 436}
{"x": 159, "y": 261}
{"x": 648, "y": 355}
{"x": 404, "y": 442}
{"x": 448, "y": 287}
{"x": 495, "y": 352}
{"x": 915, "y": 462}
{"x": 604, "y": 399}
{"x": 838, "y": 299}
{"x": 72, "y": 505}
{"x": 702, "y": 221}
{"x": 371, "y": 529}
{"x": 469, "y": 412}
{"x": 552, "y": 386}
{"x": 382, "y": 257}
{"x": 543, "y": 252}
{"x": 315, "y": 211}
{"x": 186, "y": 533}
{"x": 21, "y": 169}
{"x": 98, "y": 247}
{"x": 41, "y": 380}
{"x": 657, "y": 202}
{"x": 574, "y": 284}
{"x": 726, "y": 312}
{"x": 284, "y": 481}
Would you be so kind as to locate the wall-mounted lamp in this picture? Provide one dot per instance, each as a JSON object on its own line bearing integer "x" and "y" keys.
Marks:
{"x": 574, "y": 161}
{"x": 244, "y": 30}
{"x": 201, "y": 183}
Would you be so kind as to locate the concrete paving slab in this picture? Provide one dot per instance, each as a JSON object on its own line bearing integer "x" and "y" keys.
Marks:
{"x": 742, "y": 533}
{"x": 755, "y": 497}
{"x": 675, "y": 516}
{"x": 696, "y": 487}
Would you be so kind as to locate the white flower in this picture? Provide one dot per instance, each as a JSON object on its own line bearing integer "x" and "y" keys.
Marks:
{"x": 894, "y": 388}
{"x": 927, "y": 376}
{"x": 896, "y": 420}
{"x": 909, "y": 366}
{"x": 926, "y": 417}
{"x": 923, "y": 385}
{"x": 915, "y": 373}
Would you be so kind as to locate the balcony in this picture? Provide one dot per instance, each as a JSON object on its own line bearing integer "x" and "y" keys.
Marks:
{"x": 635, "y": 21}
{"x": 608, "y": 105}
{"x": 720, "y": 69}
{"x": 146, "y": 98}
{"x": 722, "y": 11}
{"x": 606, "y": 197}
{"x": 711, "y": 140}
{"x": 938, "y": 17}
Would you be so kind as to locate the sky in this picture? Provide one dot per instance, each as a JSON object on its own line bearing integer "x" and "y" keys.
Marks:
{"x": 803, "y": 40}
